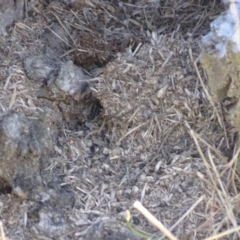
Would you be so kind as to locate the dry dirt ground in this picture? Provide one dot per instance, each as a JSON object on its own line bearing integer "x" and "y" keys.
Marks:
{"x": 152, "y": 133}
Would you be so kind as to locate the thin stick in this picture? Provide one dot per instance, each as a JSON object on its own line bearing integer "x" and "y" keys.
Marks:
{"x": 153, "y": 220}
{"x": 2, "y": 232}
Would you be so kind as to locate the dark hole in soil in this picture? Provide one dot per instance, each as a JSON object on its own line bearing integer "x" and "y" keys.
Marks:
{"x": 136, "y": 220}
{"x": 5, "y": 188}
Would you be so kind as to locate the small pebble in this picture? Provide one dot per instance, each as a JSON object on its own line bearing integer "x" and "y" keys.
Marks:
{"x": 119, "y": 192}
{"x": 106, "y": 151}
{"x": 161, "y": 92}
{"x": 89, "y": 143}
{"x": 142, "y": 177}
{"x": 128, "y": 191}
{"x": 158, "y": 165}
{"x": 135, "y": 189}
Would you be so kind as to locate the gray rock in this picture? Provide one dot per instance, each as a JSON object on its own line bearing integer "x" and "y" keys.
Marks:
{"x": 67, "y": 86}
{"x": 10, "y": 11}
{"x": 72, "y": 81}
{"x": 52, "y": 225}
{"x": 24, "y": 143}
{"x": 42, "y": 68}
{"x": 95, "y": 231}
{"x": 63, "y": 79}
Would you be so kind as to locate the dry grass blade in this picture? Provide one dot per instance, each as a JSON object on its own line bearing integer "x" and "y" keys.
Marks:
{"x": 220, "y": 235}
{"x": 3, "y": 237}
{"x": 65, "y": 29}
{"x": 153, "y": 220}
{"x": 57, "y": 35}
{"x": 216, "y": 181}
{"x": 13, "y": 98}
{"x": 187, "y": 213}
{"x": 131, "y": 131}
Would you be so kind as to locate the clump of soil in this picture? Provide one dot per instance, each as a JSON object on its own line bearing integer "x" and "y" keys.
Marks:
{"x": 93, "y": 51}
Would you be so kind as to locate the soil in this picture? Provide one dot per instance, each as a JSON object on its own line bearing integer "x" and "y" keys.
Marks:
{"x": 123, "y": 113}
